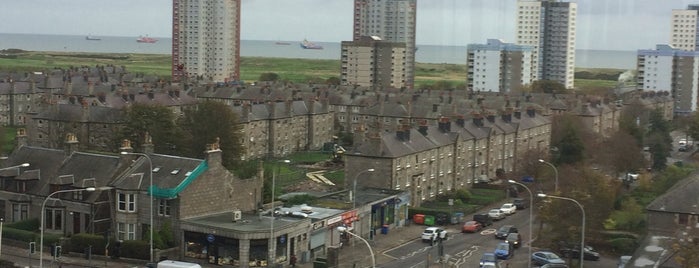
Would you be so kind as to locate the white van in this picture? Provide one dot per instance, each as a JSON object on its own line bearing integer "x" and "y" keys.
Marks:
{"x": 177, "y": 264}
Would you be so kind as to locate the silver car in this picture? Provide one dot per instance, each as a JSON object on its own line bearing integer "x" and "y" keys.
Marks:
{"x": 496, "y": 214}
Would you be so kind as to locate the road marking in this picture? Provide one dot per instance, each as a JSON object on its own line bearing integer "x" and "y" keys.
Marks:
{"x": 488, "y": 231}
{"x": 460, "y": 258}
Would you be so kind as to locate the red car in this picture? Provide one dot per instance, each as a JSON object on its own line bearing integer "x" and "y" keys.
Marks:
{"x": 471, "y": 227}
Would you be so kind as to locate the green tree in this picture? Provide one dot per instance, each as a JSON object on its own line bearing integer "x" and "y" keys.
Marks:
{"x": 621, "y": 152}
{"x": 547, "y": 86}
{"x": 566, "y": 137}
{"x": 659, "y": 139}
{"x": 156, "y": 120}
{"x": 334, "y": 80}
{"x": 206, "y": 123}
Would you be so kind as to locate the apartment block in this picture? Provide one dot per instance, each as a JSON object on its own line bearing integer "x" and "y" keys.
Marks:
{"x": 684, "y": 28}
{"x": 206, "y": 40}
{"x": 549, "y": 27}
{"x": 667, "y": 69}
{"x": 390, "y": 20}
{"x": 498, "y": 66}
{"x": 374, "y": 63}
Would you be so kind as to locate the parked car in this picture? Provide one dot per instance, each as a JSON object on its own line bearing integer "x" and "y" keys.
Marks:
{"x": 623, "y": 260}
{"x": 554, "y": 265}
{"x": 431, "y": 234}
{"x": 503, "y": 251}
{"x": 520, "y": 203}
{"x": 487, "y": 257}
{"x": 508, "y": 208}
{"x": 505, "y": 230}
{"x": 491, "y": 265}
{"x": 484, "y": 219}
{"x": 471, "y": 227}
{"x": 546, "y": 257}
{"x": 573, "y": 252}
{"x": 496, "y": 214}
{"x": 514, "y": 239}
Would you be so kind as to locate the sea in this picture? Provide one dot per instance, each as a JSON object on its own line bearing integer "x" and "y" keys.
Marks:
{"x": 584, "y": 58}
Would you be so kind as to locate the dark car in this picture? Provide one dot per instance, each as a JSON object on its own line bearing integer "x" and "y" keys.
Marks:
{"x": 574, "y": 252}
{"x": 514, "y": 239}
{"x": 520, "y": 203}
{"x": 483, "y": 218}
{"x": 505, "y": 230}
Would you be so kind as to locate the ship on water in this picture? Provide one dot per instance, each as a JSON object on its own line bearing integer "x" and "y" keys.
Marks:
{"x": 310, "y": 45}
{"x": 146, "y": 39}
{"x": 92, "y": 38}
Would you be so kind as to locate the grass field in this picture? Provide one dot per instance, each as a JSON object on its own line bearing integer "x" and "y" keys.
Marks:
{"x": 294, "y": 70}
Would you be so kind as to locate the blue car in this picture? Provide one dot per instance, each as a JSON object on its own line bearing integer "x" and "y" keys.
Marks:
{"x": 546, "y": 257}
{"x": 487, "y": 258}
{"x": 503, "y": 251}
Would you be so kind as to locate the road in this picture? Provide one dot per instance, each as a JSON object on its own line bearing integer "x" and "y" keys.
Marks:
{"x": 464, "y": 250}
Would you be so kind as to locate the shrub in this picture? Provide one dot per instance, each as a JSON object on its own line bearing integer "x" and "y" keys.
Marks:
{"x": 27, "y": 225}
{"x": 136, "y": 249}
{"x": 624, "y": 246}
{"x": 78, "y": 243}
{"x": 21, "y": 235}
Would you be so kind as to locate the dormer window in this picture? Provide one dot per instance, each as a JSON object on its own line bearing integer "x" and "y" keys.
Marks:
{"x": 175, "y": 172}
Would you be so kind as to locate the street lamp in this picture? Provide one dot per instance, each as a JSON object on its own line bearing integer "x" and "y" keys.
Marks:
{"x": 531, "y": 203}
{"x": 272, "y": 240}
{"x": 343, "y": 229}
{"x": 354, "y": 188}
{"x": 150, "y": 192}
{"x": 582, "y": 236}
{"x": 43, "y": 213}
{"x": 555, "y": 170}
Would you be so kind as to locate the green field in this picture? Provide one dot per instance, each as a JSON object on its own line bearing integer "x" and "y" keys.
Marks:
{"x": 294, "y": 70}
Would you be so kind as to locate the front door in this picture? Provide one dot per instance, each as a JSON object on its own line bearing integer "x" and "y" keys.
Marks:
{"x": 76, "y": 223}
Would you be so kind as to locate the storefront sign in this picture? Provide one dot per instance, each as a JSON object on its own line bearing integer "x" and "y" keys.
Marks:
{"x": 317, "y": 225}
{"x": 210, "y": 238}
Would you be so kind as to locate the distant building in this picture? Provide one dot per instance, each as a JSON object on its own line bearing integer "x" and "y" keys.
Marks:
{"x": 374, "y": 63}
{"x": 671, "y": 70}
{"x": 391, "y": 20}
{"x": 684, "y": 28}
{"x": 206, "y": 39}
{"x": 498, "y": 66}
{"x": 549, "y": 27}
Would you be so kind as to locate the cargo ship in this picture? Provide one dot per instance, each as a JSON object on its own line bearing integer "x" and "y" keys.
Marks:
{"x": 146, "y": 39}
{"x": 309, "y": 45}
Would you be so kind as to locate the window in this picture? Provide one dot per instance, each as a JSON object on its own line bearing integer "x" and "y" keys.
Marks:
{"x": 126, "y": 231}
{"x": 53, "y": 219}
{"x": 126, "y": 202}
{"x": 163, "y": 207}
{"x": 19, "y": 212}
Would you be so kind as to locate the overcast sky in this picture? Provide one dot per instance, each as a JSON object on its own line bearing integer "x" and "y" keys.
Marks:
{"x": 602, "y": 24}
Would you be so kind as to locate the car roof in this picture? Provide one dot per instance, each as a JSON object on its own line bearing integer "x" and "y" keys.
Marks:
{"x": 431, "y": 228}
{"x": 507, "y": 204}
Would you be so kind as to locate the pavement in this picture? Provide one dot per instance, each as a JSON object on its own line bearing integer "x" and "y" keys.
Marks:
{"x": 354, "y": 254}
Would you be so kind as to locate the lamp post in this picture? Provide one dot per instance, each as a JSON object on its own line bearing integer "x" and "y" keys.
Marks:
{"x": 531, "y": 203}
{"x": 272, "y": 239}
{"x": 582, "y": 236}
{"x": 343, "y": 229}
{"x": 43, "y": 213}
{"x": 150, "y": 189}
{"x": 555, "y": 170}
{"x": 2, "y": 219}
{"x": 354, "y": 187}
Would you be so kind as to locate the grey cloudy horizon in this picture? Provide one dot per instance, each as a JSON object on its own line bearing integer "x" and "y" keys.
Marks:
{"x": 601, "y": 24}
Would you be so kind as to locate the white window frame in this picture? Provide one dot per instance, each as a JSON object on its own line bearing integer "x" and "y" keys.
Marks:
{"x": 128, "y": 201}
{"x": 126, "y": 231}
{"x": 164, "y": 207}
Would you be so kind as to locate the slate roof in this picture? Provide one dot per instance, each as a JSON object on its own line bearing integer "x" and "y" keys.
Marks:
{"x": 681, "y": 198}
{"x": 74, "y": 113}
